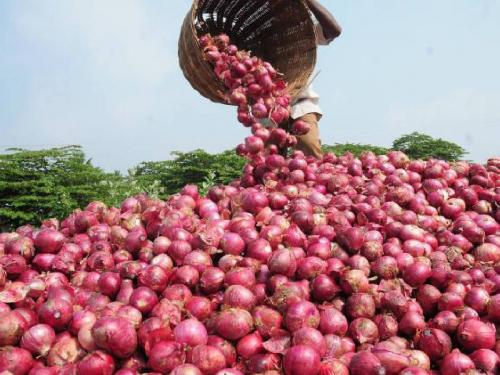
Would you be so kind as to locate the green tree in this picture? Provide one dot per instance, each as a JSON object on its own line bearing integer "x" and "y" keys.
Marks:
{"x": 355, "y": 148}
{"x": 36, "y": 185}
{"x": 196, "y": 167}
{"x": 422, "y": 146}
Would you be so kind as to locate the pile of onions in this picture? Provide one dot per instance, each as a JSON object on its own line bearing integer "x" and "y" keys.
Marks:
{"x": 344, "y": 265}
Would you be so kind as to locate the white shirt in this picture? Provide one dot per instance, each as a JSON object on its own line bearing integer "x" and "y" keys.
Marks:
{"x": 307, "y": 101}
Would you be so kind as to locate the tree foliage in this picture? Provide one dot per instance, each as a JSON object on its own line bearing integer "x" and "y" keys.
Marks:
{"x": 354, "y": 148}
{"x": 36, "y": 185}
{"x": 422, "y": 146}
{"x": 197, "y": 167}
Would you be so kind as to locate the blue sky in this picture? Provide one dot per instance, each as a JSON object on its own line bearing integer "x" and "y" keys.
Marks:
{"x": 104, "y": 74}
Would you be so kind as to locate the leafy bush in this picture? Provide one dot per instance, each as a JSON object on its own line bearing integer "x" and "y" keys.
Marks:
{"x": 355, "y": 148}
{"x": 423, "y": 146}
{"x": 196, "y": 167}
{"x": 35, "y": 185}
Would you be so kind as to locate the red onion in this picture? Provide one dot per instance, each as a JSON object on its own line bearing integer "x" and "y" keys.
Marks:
{"x": 332, "y": 321}
{"x": 186, "y": 369}
{"x": 143, "y": 299}
{"x": 199, "y": 307}
{"x": 494, "y": 308}
{"x": 177, "y": 292}
{"x": 411, "y": 323}
{"x": 365, "y": 363}
{"x": 211, "y": 280}
{"x": 208, "y": 359}
{"x": 240, "y": 297}
{"x": 65, "y": 351}
{"x": 233, "y": 324}
{"x": 478, "y": 299}
{"x": 96, "y": 363}
{"x": 485, "y": 360}
{"x": 301, "y": 359}
{"x": 38, "y": 339}
{"x": 115, "y": 334}
{"x": 56, "y": 313}
{"x": 354, "y": 281}
{"x": 232, "y": 243}
{"x": 385, "y": 267}
{"x": 15, "y": 361}
{"x": 85, "y": 338}
{"x": 240, "y": 276}
{"x": 165, "y": 356}
{"x": 387, "y": 325}
{"x": 395, "y": 302}
{"x": 282, "y": 262}
{"x": 487, "y": 252}
{"x": 416, "y": 274}
{"x": 260, "y": 363}
{"x": 250, "y": 345}
{"x": 360, "y": 305}
{"x": 324, "y": 288}
{"x": 302, "y": 314}
{"x": 225, "y": 347}
{"x": 446, "y": 321}
{"x": 49, "y": 241}
{"x": 363, "y": 330}
{"x": 310, "y": 337}
{"x": 333, "y": 367}
{"x": 456, "y": 363}
{"x": 392, "y": 361}
{"x": 473, "y": 334}
{"x": 12, "y": 327}
{"x": 266, "y": 320}
{"x": 450, "y": 301}
{"x": 434, "y": 342}
{"x": 191, "y": 332}
{"x": 428, "y": 297}
{"x": 109, "y": 283}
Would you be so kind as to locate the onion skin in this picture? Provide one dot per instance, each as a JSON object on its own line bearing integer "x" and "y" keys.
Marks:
{"x": 208, "y": 359}
{"x": 12, "y": 328}
{"x": 233, "y": 324}
{"x": 485, "y": 360}
{"x": 473, "y": 334}
{"x": 15, "y": 361}
{"x": 310, "y": 337}
{"x": 266, "y": 320}
{"x": 365, "y": 363}
{"x": 333, "y": 367}
{"x": 363, "y": 330}
{"x": 250, "y": 345}
{"x": 56, "y": 313}
{"x": 302, "y": 314}
{"x": 456, "y": 363}
{"x": 165, "y": 356}
{"x": 96, "y": 363}
{"x": 65, "y": 351}
{"x": 116, "y": 335}
{"x": 434, "y": 342}
{"x": 38, "y": 339}
{"x": 191, "y": 332}
{"x": 333, "y": 322}
{"x": 301, "y": 359}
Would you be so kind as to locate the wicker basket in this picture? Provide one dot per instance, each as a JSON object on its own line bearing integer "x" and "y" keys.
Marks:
{"x": 278, "y": 31}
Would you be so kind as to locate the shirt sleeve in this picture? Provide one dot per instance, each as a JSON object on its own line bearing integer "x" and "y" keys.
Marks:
{"x": 320, "y": 36}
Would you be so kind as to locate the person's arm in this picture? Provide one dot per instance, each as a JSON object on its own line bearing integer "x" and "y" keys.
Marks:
{"x": 331, "y": 28}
